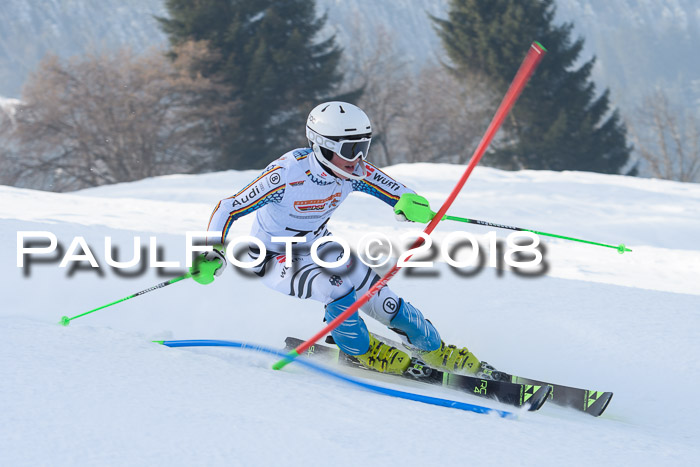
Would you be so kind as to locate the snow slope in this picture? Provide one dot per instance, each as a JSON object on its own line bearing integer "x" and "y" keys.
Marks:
{"x": 100, "y": 393}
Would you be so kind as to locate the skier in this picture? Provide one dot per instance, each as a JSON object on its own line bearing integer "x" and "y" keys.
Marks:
{"x": 296, "y": 195}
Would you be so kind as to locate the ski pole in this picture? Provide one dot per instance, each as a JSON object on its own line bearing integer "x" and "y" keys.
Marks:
{"x": 65, "y": 320}
{"x": 527, "y": 68}
{"x": 621, "y": 248}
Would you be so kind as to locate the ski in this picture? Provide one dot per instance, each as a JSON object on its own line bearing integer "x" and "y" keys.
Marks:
{"x": 532, "y": 396}
{"x": 583, "y": 400}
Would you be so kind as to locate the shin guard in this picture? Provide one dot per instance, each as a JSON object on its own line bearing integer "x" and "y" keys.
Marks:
{"x": 420, "y": 332}
{"x": 351, "y": 336}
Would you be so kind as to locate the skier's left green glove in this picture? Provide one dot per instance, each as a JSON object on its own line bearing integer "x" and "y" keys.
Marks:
{"x": 208, "y": 265}
{"x": 414, "y": 208}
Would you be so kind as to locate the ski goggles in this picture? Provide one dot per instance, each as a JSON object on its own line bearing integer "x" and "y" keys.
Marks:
{"x": 348, "y": 149}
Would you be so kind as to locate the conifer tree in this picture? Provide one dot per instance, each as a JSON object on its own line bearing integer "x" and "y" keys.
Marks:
{"x": 273, "y": 61}
{"x": 560, "y": 122}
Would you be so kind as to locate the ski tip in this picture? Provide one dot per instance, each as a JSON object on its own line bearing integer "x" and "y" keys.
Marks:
{"x": 539, "y": 398}
{"x": 605, "y": 405}
{"x": 65, "y": 321}
{"x": 600, "y": 404}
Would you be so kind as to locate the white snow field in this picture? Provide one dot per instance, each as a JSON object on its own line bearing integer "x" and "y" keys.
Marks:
{"x": 99, "y": 392}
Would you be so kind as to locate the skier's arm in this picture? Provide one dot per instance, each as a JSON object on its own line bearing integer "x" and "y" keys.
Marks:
{"x": 268, "y": 187}
{"x": 408, "y": 206}
{"x": 380, "y": 185}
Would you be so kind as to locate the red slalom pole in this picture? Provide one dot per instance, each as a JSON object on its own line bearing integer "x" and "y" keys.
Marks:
{"x": 527, "y": 68}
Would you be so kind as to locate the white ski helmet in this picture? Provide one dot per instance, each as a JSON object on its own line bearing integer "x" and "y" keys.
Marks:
{"x": 340, "y": 128}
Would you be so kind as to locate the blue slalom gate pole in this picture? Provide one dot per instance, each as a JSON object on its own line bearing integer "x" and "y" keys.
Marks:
{"x": 355, "y": 382}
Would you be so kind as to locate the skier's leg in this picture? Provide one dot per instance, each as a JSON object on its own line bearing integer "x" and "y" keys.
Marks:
{"x": 330, "y": 286}
{"x": 422, "y": 337}
{"x": 351, "y": 335}
{"x": 334, "y": 288}
{"x": 353, "y": 338}
{"x": 305, "y": 279}
{"x": 418, "y": 333}
{"x": 393, "y": 311}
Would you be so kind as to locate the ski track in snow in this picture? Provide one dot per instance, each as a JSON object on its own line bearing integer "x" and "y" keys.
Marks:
{"x": 99, "y": 392}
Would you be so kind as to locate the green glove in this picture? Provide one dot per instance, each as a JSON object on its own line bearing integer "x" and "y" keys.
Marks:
{"x": 208, "y": 265}
{"x": 414, "y": 208}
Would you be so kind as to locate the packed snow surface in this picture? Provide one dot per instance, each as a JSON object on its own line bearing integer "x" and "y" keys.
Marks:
{"x": 99, "y": 392}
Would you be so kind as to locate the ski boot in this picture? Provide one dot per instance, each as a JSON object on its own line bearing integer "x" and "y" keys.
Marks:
{"x": 419, "y": 334}
{"x": 451, "y": 359}
{"x": 384, "y": 358}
